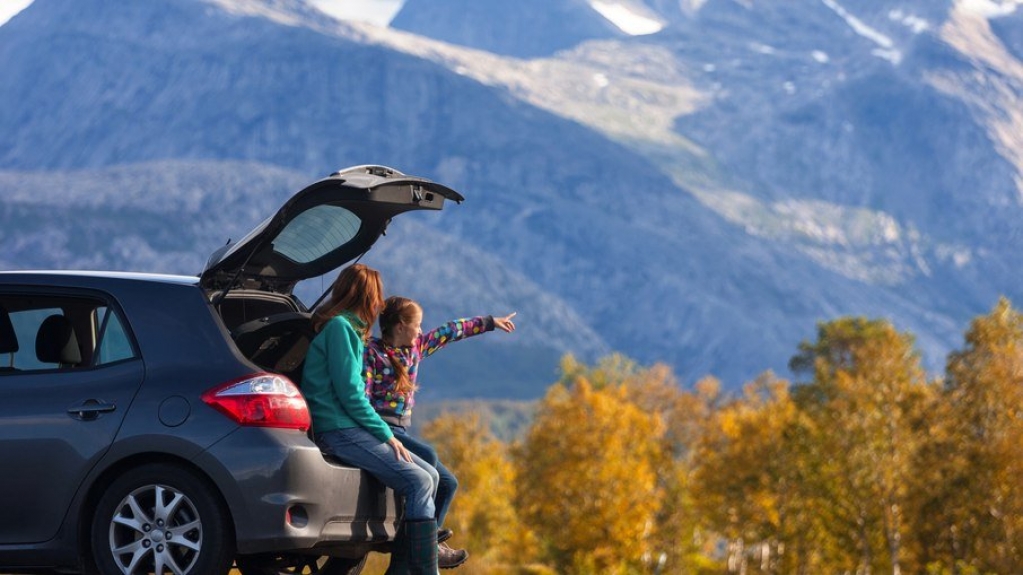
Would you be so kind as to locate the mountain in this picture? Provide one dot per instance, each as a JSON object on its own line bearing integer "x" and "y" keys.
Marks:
{"x": 863, "y": 142}
{"x": 524, "y": 29}
{"x": 701, "y": 196}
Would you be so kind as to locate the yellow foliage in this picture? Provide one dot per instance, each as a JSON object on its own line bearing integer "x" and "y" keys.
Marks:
{"x": 588, "y": 483}
{"x": 867, "y": 467}
{"x": 979, "y": 462}
{"x": 482, "y": 514}
{"x": 744, "y": 463}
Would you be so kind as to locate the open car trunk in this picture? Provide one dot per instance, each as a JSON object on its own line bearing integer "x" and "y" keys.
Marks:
{"x": 277, "y": 343}
{"x": 326, "y": 225}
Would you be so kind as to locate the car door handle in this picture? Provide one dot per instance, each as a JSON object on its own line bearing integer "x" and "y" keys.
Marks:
{"x": 90, "y": 409}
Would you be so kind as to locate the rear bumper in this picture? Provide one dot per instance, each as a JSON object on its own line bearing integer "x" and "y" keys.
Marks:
{"x": 284, "y": 496}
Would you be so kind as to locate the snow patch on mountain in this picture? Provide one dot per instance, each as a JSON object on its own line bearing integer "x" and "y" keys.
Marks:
{"x": 886, "y": 48}
{"x": 10, "y": 8}
{"x": 628, "y": 18}
{"x": 990, "y": 8}
{"x": 379, "y": 12}
{"x": 915, "y": 23}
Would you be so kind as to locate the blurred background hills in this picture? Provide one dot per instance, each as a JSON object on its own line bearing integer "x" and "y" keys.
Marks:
{"x": 696, "y": 183}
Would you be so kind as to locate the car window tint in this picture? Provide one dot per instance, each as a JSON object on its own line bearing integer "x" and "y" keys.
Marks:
{"x": 112, "y": 339}
{"x": 99, "y": 330}
{"x": 26, "y": 325}
{"x": 316, "y": 232}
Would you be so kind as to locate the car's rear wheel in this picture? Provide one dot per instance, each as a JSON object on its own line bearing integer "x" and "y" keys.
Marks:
{"x": 268, "y": 564}
{"x": 159, "y": 519}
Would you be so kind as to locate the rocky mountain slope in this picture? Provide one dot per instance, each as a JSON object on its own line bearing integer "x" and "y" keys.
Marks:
{"x": 700, "y": 196}
{"x": 508, "y": 28}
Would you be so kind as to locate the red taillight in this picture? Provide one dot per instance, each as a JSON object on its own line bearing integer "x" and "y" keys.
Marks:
{"x": 261, "y": 400}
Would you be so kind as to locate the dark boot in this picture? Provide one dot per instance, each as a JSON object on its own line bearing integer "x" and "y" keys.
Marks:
{"x": 421, "y": 547}
{"x": 448, "y": 558}
{"x": 399, "y": 553}
{"x": 443, "y": 534}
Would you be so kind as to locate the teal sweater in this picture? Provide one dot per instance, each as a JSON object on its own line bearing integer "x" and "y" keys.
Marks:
{"x": 332, "y": 380}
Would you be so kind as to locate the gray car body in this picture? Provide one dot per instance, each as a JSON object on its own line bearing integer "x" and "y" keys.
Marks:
{"x": 55, "y": 465}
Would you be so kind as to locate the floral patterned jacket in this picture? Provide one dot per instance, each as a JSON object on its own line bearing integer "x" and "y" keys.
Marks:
{"x": 396, "y": 408}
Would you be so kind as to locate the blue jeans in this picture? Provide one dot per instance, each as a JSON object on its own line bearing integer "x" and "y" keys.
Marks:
{"x": 416, "y": 481}
{"x": 448, "y": 483}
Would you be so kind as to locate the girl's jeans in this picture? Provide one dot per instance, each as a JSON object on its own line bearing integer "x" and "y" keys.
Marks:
{"x": 448, "y": 483}
{"x": 416, "y": 482}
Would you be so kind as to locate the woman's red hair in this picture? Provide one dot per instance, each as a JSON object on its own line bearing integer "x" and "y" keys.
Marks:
{"x": 358, "y": 290}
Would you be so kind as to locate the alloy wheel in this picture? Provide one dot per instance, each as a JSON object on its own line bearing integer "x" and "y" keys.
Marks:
{"x": 155, "y": 529}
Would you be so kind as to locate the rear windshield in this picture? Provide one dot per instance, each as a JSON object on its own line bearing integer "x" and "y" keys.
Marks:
{"x": 316, "y": 232}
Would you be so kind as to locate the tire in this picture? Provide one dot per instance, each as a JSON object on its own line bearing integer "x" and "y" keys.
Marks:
{"x": 267, "y": 564}
{"x": 160, "y": 518}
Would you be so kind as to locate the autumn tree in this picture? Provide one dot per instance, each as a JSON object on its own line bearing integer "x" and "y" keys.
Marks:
{"x": 682, "y": 535}
{"x": 864, "y": 403}
{"x": 588, "y": 478}
{"x": 678, "y": 541}
{"x": 746, "y": 480}
{"x": 977, "y": 502}
{"x": 656, "y": 390}
{"x": 483, "y": 513}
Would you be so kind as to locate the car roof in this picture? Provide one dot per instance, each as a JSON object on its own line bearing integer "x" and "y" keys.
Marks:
{"x": 18, "y": 276}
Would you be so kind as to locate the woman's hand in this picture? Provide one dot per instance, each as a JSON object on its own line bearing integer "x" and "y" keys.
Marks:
{"x": 505, "y": 323}
{"x": 399, "y": 450}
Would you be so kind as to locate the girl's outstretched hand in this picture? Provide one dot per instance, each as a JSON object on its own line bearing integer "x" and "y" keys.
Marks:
{"x": 505, "y": 323}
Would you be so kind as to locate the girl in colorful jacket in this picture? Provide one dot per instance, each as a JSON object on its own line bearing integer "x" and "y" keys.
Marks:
{"x": 391, "y": 365}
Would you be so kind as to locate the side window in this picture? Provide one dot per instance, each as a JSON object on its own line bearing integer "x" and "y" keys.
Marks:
{"x": 47, "y": 332}
{"x": 26, "y": 326}
{"x": 112, "y": 338}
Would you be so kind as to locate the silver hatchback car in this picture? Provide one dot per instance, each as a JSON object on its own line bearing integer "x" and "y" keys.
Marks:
{"x": 154, "y": 424}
